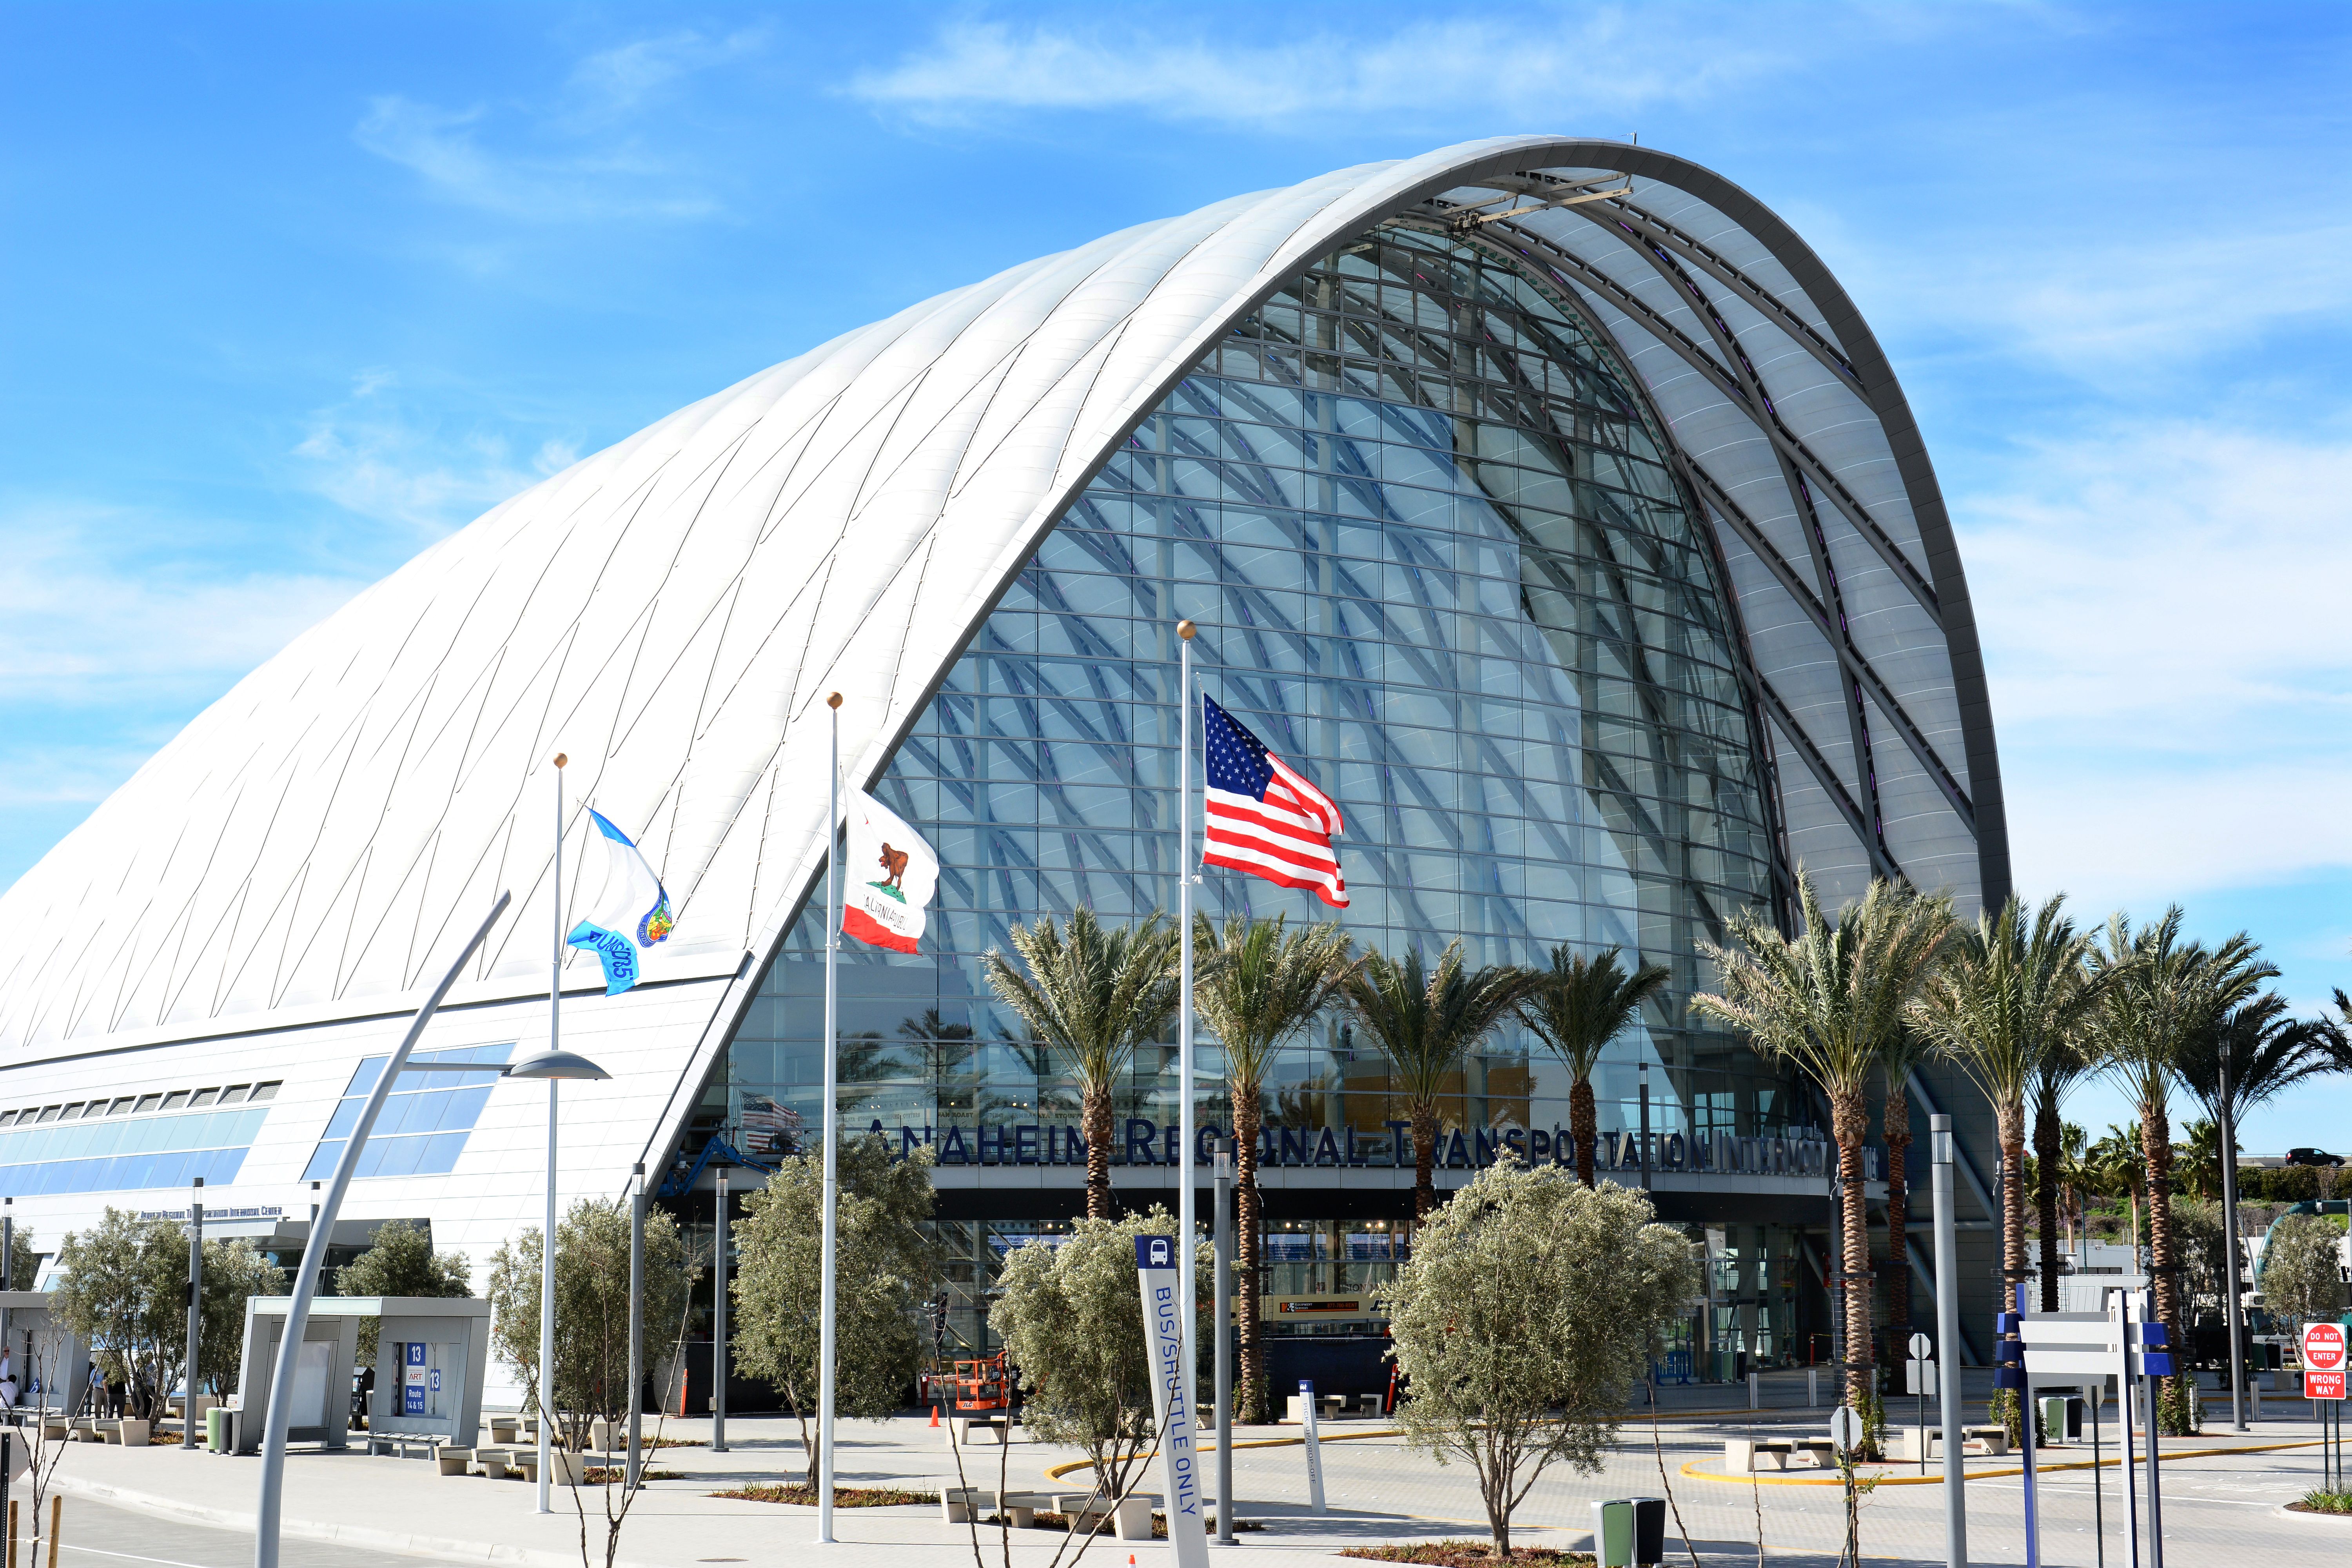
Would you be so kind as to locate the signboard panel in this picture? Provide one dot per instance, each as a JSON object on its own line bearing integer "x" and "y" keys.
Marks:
{"x": 1168, "y": 1339}
{"x": 2323, "y": 1360}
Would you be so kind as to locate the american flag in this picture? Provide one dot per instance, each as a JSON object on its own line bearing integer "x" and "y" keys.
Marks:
{"x": 1263, "y": 817}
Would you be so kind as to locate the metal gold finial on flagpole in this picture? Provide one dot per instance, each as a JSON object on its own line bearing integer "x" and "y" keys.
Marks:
{"x": 833, "y": 888}
{"x": 1187, "y": 1286}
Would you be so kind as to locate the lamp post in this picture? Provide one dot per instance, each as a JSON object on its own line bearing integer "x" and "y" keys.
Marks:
{"x": 554, "y": 1066}
{"x": 719, "y": 1317}
{"x": 279, "y": 1418}
{"x": 2229, "y": 1270}
{"x": 195, "y": 1312}
{"x": 637, "y": 1318}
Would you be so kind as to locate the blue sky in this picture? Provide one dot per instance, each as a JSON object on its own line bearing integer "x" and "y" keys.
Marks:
{"x": 296, "y": 290}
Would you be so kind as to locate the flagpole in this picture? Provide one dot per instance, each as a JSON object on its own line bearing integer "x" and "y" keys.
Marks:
{"x": 1184, "y": 1115}
{"x": 831, "y": 1137}
{"x": 547, "y": 1235}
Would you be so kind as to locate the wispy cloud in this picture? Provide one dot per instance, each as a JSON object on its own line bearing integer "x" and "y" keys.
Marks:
{"x": 579, "y": 153}
{"x": 89, "y": 616}
{"x": 2162, "y": 608}
{"x": 374, "y": 454}
{"x": 1565, "y": 68}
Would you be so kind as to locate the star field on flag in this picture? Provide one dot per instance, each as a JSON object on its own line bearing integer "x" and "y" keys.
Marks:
{"x": 1263, "y": 816}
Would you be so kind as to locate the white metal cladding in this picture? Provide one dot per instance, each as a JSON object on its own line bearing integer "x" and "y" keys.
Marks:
{"x": 672, "y": 611}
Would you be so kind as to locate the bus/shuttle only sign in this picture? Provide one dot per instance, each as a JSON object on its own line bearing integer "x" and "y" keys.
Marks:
{"x": 2323, "y": 1360}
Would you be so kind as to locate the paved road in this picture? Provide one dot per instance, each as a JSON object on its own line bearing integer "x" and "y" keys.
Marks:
{"x": 98, "y": 1535}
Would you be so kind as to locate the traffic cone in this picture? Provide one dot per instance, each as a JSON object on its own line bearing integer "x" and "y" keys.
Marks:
{"x": 935, "y": 1414}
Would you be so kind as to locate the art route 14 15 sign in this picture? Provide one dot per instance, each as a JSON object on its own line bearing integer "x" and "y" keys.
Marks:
{"x": 1168, "y": 1341}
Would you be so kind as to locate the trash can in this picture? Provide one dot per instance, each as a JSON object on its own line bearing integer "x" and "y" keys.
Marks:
{"x": 1629, "y": 1533}
{"x": 216, "y": 1430}
{"x": 2062, "y": 1419}
{"x": 1612, "y": 1534}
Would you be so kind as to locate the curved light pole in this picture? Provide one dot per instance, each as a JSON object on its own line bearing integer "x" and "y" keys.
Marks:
{"x": 554, "y": 1066}
{"x": 322, "y": 1224}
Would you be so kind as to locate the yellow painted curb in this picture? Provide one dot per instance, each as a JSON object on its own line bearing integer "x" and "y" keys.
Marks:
{"x": 1935, "y": 1479}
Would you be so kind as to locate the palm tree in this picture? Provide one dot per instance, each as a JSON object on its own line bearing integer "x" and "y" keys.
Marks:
{"x": 2009, "y": 994}
{"x": 2074, "y": 1177}
{"x": 1905, "y": 1050}
{"x": 2199, "y": 1158}
{"x": 2121, "y": 1169}
{"x": 2268, "y": 1052}
{"x": 1093, "y": 994}
{"x": 1425, "y": 1022}
{"x": 1578, "y": 1007}
{"x": 1828, "y": 1001}
{"x": 2162, "y": 991}
{"x": 2056, "y": 1069}
{"x": 1258, "y": 985}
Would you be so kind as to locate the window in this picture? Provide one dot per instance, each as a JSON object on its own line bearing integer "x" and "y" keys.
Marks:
{"x": 175, "y": 1100}
{"x": 264, "y": 1091}
{"x": 234, "y": 1093}
{"x": 207, "y": 1096}
{"x": 127, "y": 1150}
{"x": 424, "y": 1121}
{"x": 70, "y": 1112}
{"x": 49, "y": 1113}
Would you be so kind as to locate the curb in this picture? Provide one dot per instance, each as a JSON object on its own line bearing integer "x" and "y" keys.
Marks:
{"x": 1933, "y": 1478}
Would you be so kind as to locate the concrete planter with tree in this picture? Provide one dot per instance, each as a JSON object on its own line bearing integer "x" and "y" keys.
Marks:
{"x": 592, "y": 1310}
{"x": 1527, "y": 1321}
{"x": 1072, "y": 1320}
{"x": 882, "y": 1276}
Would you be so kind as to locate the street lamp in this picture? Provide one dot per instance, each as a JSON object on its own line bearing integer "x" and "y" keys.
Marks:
{"x": 554, "y": 1066}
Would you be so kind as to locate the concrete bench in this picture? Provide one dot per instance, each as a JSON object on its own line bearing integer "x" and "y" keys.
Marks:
{"x": 991, "y": 1429}
{"x": 1084, "y": 1509}
{"x": 1749, "y": 1454}
{"x": 1329, "y": 1406}
{"x": 403, "y": 1445}
{"x": 1022, "y": 1507}
{"x": 495, "y": 1462}
{"x": 1813, "y": 1453}
{"x": 955, "y": 1504}
{"x": 454, "y": 1460}
{"x": 1992, "y": 1440}
{"x": 505, "y": 1429}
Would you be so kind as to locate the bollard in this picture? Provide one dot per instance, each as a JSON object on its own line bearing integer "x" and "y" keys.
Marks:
{"x": 1314, "y": 1446}
{"x": 1812, "y": 1388}
{"x": 1755, "y": 1390}
{"x": 57, "y": 1521}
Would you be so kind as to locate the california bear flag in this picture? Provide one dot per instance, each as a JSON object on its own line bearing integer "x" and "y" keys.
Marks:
{"x": 627, "y": 913}
{"x": 891, "y": 876}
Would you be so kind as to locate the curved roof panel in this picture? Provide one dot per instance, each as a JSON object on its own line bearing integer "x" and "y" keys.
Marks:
{"x": 671, "y": 612}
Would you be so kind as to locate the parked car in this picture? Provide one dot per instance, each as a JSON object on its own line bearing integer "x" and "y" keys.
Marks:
{"x": 2313, "y": 1157}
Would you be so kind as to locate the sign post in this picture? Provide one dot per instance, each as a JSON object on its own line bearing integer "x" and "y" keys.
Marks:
{"x": 1167, "y": 1319}
{"x": 2323, "y": 1384}
{"x": 1919, "y": 1373}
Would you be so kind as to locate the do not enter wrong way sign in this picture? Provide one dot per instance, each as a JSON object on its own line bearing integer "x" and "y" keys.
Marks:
{"x": 2323, "y": 1360}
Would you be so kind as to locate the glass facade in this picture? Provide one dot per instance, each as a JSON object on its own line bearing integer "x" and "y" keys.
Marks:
{"x": 426, "y": 1119}
{"x": 1442, "y": 564}
{"x": 126, "y": 1153}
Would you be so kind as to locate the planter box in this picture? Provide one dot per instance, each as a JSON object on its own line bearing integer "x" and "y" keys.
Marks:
{"x": 1130, "y": 1517}
{"x": 136, "y": 1434}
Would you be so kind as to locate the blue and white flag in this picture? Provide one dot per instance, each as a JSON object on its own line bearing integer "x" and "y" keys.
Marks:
{"x": 629, "y": 914}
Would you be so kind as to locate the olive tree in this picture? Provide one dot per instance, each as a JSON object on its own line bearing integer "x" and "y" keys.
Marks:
{"x": 123, "y": 1286}
{"x": 881, "y": 1277}
{"x": 235, "y": 1270}
{"x": 1072, "y": 1321}
{"x": 401, "y": 1262}
{"x": 1525, "y": 1320}
{"x": 591, "y": 1308}
{"x": 2301, "y": 1282}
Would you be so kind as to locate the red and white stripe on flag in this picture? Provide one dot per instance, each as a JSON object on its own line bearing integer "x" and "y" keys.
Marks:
{"x": 1284, "y": 837}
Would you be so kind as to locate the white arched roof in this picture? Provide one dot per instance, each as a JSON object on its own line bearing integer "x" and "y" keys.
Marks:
{"x": 672, "y": 611}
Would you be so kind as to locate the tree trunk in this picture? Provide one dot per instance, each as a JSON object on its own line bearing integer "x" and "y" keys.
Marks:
{"x": 1095, "y": 1111}
{"x": 1250, "y": 1402}
{"x": 1849, "y": 1121}
{"x": 2155, "y": 1141}
{"x": 1584, "y": 1126}
{"x": 2009, "y": 1127}
{"x": 2048, "y": 1156}
{"x": 1425, "y": 1158}
{"x": 1898, "y": 1215}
